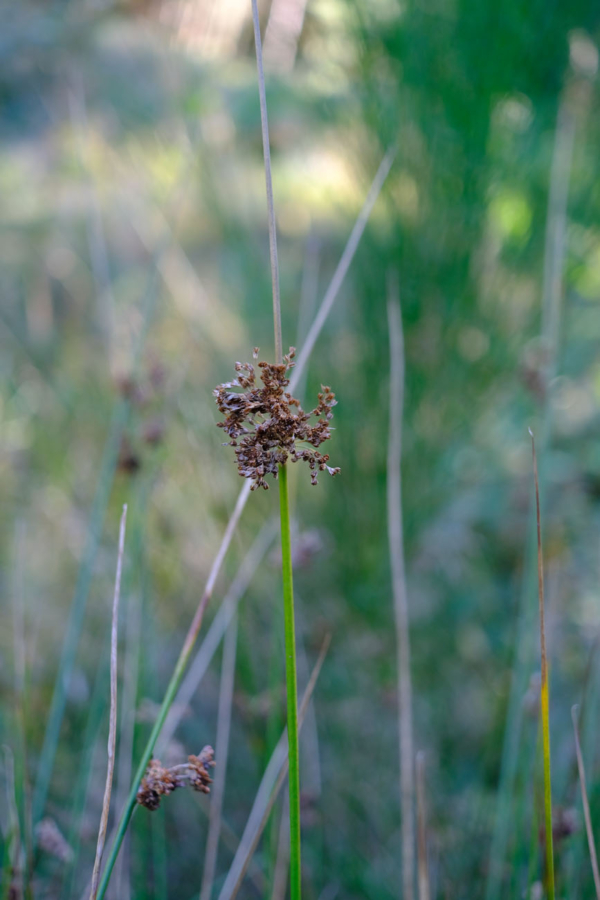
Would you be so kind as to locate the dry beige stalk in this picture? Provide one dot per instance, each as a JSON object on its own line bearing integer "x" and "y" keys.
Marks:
{"x": 423, "y": 871}
{"x": 112, "y": 731}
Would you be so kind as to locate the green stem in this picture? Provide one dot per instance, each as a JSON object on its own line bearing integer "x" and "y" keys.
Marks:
{"x": 547, "y": 785}
{"x": 291, "y": 686}
{"x": 545, "y": 691}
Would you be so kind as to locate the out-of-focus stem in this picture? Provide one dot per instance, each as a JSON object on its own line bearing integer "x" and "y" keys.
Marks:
{"x": 396, "y": 543}
{"x": 270, "y": 205}
{"x": 112, "y": 735}
{"x": 422, "y": 828}
{"x": 545, "y": 692}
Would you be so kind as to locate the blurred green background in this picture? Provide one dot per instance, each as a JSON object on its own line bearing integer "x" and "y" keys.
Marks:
{"x": 134, "y": 273}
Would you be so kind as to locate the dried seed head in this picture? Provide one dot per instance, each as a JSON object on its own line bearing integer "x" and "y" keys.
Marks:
{"x": 156, "y": 783}
{"x": 266, "y": 424}
{"x": 160, "y": 780}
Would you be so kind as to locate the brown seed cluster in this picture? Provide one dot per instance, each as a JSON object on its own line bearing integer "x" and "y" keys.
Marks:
{"x": 267, "y": 425}
{"x": 160, "y": 781}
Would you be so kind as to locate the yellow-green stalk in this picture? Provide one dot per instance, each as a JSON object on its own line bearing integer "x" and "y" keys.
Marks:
{"x": 544, "y": 692}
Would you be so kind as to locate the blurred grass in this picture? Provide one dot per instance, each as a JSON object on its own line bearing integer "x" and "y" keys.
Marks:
{"x": 169, "y": 156}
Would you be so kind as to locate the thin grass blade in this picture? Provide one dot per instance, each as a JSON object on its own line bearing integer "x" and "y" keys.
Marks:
{"x": 112, "y": 733}
{"x": 423, "y": 869}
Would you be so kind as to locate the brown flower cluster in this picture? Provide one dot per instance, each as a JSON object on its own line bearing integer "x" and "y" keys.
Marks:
{"x": 160, "y": 781}
{"x": 267, "y": 425}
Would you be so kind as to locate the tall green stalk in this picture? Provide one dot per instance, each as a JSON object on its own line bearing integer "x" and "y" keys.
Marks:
{"x": 544, "y": 692}
{"x": 284, "y": 504}
{"x": 291, "y": 685}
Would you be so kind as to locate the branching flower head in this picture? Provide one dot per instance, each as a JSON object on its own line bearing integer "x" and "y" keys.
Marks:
{"x": 267, "y": 425}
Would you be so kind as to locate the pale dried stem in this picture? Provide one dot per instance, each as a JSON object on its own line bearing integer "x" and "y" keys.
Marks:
{"x": 343, "y": 266}
{"x": 218, "y": 627}
{"x": 396, "y": 544}
{"x": 586, "y": 806}
{"x": 423, "y": 870}
{"x": 112, "y": 731}
{"x": 122, "y": 888}
{"x": 269, "y": 183}
{"x": 272, "y": 782}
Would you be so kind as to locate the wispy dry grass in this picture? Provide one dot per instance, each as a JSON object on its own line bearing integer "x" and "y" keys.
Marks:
{"x": 423, "y": 869}
{"x": 343, "y": 266}
{"x": 131, "y": 671}
{"x": 269, "y": 184}
{"x": 218, "y": 628}
{"x": 112, "y": 732}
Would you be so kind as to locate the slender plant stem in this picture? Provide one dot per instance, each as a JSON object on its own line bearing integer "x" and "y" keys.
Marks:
{"x": 112, "y": 735}
{"x": 77, "y": 612}
{"x": 424, "y": 893}
{"x": 270, "y": 205}
{"x": 343, "y": 265}
{"x": 586, "y": 805}
{"x": 545, "y": 693}
{"x": 396, "y": 544}
{"x": 291, "y": 685}
{"x": 218, "y": 627}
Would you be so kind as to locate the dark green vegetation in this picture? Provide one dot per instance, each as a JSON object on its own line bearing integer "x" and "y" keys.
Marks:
{"x": 134, "y": 269}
